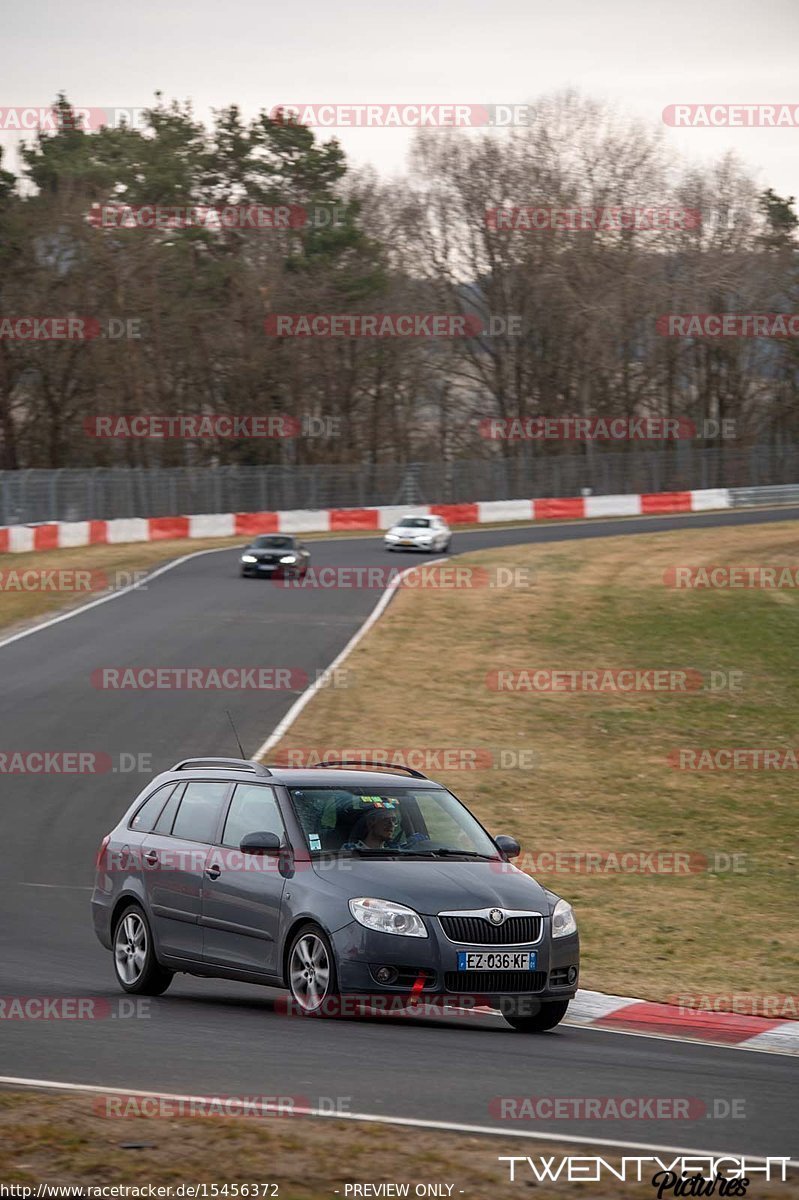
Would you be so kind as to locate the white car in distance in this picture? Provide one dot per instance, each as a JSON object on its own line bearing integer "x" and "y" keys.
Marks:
{"x": 419, "y": 533}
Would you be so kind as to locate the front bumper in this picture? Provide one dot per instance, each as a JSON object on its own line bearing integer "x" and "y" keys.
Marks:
{"x": 431, "y": 965}
{"x": 408, "y": 544}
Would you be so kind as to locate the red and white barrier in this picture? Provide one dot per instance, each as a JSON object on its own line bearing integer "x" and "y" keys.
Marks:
{"x": 754, "y": 1032}
{"x": 15, "y": 539}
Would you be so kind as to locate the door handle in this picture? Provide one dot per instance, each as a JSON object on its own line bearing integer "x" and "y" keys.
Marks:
{"x": 214, "y": 871}
{"x": 151, "y": 857}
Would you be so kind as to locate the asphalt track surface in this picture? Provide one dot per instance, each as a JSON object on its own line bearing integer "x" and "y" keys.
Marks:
{"x": 221, "y": 1038}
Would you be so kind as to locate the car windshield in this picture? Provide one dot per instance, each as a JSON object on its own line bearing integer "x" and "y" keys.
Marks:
{"x": 269, "y": 542}
{"x": 389, "y": 822}
{"x": 414, "y": 523}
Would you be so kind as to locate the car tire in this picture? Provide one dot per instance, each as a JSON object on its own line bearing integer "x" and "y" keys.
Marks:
{"x": 310, "y": 949}
{"x": 135, "y": 965}
{"x": 550, "y": 1013}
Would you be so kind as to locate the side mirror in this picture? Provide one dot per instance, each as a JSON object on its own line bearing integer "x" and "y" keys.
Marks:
{"x": 260, "y": 843}
{"x": 507, "y": 846}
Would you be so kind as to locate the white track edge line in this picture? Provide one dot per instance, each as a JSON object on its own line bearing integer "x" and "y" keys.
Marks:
{"x": 378, "y": 1118}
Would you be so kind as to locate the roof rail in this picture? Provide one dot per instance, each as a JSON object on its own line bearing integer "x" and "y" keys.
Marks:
{"x": 235, "y": 764}
{"x": 360, "y": 762}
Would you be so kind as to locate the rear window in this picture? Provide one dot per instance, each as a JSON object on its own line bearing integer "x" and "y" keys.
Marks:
{"x": 200, "y": 808}
{"x": 148, "y": 814}
{"x": 164, "y": 822}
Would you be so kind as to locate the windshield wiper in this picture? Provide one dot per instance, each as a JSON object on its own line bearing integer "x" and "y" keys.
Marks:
{"x": 449, "y": 852}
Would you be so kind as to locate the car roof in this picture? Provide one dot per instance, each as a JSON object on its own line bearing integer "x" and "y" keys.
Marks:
{"x": 302, "y": 776}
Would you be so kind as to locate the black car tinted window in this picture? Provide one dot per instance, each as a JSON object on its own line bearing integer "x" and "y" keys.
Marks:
{"x": 150, "y": 811}
{"x": 164, "y": 822}
{"x": 253, "y": 809}
{"x": 198, "y": 815}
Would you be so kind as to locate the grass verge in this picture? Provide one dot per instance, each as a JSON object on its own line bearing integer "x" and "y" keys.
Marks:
{"x": 62, "y": 1139}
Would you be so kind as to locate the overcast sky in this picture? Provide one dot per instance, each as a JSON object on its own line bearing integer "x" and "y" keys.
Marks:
{"x": 639, "y": 54}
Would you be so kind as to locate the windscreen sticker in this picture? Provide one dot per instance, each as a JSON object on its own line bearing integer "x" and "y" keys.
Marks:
{"x": 314, "y": 841}
{"x": 379, "y": 801}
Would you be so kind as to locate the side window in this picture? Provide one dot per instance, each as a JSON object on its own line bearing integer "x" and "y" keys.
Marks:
{"x": 149, "y": 812}
{"x": 253, "y": 809}
{"x": 198, "y": 815}
{"x": 164, "y": 822}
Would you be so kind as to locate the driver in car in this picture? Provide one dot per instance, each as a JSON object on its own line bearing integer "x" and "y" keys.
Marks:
{"x": 379, "y": 829}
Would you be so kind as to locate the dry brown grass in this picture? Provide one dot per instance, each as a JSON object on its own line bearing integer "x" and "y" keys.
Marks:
{"x": 601, "y": 780}
{"x": 61, "y": 1139}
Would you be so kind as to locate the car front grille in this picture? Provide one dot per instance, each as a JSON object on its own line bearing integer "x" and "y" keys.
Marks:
{"x": 476, "y": 931}
{"x": 488, "y": 982}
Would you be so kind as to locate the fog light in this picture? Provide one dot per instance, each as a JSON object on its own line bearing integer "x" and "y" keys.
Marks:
{"x": 572, "y": 974}
{"x": 385, "y": 974}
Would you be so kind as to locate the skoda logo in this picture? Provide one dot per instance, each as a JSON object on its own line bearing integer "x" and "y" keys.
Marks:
{"x": 496, "y": 916}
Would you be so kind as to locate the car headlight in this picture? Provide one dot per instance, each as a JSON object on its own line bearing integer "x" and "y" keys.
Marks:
{"x": 248, "y": 558}
{"x": 289, "y": 558}
{"x": 392, "y": 537}
{"x": 563, "y": 919}
{"x": 387, "y": 917}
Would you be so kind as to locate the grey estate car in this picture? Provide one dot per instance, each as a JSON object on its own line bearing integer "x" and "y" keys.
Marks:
{"x": 329, "y": 882}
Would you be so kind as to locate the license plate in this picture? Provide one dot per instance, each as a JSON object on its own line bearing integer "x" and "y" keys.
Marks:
{"x": 497, "y": 960}
{"x": 266, "y": 566}
{"x": 407, "y": 542}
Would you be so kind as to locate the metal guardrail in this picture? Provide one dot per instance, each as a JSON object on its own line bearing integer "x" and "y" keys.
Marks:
{"x": 750, "y": 497}
{"x": 31, "y": 496}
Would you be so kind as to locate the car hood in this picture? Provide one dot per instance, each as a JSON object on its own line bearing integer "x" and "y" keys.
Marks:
{"x": 434, "y": 886}
{"x": 410, "y": 530}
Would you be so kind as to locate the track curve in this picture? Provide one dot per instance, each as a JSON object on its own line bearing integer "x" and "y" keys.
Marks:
{"x": 216, "y": 1037}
